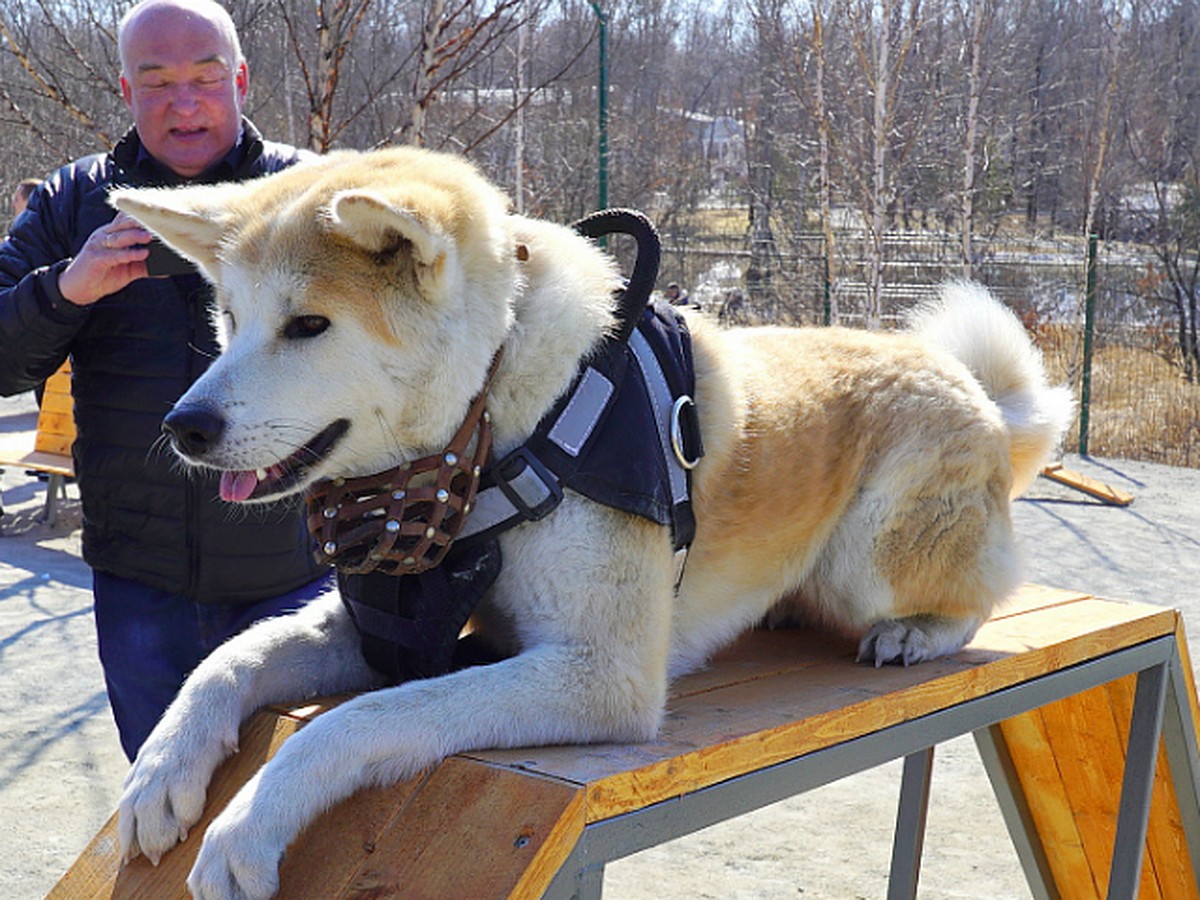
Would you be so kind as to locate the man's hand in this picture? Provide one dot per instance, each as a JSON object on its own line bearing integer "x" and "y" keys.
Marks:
{"x": 114, "y": 255}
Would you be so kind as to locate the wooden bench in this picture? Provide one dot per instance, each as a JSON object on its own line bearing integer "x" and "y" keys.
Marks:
{"x": 1083, "y": 710}
{"x": 48, "y": 448}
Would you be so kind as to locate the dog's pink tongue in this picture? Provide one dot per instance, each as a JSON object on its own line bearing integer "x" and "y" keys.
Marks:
{"x": 237, "y": 486}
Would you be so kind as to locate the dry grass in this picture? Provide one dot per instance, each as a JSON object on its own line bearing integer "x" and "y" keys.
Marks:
{"x": 1141, "y": 408}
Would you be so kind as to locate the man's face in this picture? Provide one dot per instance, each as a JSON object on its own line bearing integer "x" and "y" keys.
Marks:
{"x": 184, "y": 89}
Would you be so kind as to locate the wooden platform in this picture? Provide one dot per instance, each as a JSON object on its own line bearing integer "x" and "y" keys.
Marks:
{"x": 1048, "y": 688}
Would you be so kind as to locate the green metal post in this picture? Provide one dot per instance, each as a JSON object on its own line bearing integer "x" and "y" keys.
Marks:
{"x": 827, "y": 304}
{"x": 603, "y": 100}
{"x": 1089, "y": 328}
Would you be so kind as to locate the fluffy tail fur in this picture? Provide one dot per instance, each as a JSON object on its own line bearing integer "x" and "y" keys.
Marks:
{"x": 990, "y": 341}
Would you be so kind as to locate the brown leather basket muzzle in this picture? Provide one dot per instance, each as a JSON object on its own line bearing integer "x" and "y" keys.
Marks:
{"x": 402, "y": 521}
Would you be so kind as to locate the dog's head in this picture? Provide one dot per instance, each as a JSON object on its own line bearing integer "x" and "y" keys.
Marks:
{"x": 360, "y": 300}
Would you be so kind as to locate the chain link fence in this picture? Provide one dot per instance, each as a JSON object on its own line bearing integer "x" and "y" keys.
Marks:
{"x": 1140, "y": 406}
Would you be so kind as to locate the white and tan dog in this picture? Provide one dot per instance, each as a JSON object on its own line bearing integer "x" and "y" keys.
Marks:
{"x": 866, "y": 478}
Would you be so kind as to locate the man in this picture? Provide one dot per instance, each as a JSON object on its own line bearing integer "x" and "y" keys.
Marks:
{"x": 175, "y": 572}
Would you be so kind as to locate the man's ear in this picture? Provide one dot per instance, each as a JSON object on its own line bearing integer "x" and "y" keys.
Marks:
{"x": 376, "y": 226}
{"x": 192, "y": 221}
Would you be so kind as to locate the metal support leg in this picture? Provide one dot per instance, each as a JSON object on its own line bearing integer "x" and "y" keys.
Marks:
{"x": 1183, "y": 756}
{"x": 56, "y": 487}
{"x": 589, "y": 883}
{"x": 910, "y": 825}
{"x": 1006, "y": 785}
{"x": 1133, "y": 816}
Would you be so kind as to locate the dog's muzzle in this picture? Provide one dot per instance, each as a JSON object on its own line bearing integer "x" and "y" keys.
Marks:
{"x": 402, "y": 521}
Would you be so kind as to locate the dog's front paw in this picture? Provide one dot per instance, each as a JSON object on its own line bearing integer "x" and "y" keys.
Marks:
{"x": 163, "y": 798}
{"x": 237, "y": 861}
{"x": 165, "y": 790}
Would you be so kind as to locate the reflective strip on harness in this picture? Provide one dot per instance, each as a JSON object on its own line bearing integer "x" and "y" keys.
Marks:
{"x": 527, "y": 485}
{"x": 583, "y": 410}
{"x": 663, "y": 402}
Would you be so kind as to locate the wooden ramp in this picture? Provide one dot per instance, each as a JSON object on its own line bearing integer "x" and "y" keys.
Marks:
{"x": 1087, "y": 485}
{"x": 1048, "y": 688}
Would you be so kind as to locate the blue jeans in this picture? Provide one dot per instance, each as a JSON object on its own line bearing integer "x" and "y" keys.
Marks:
{"x": 151, "y": 639}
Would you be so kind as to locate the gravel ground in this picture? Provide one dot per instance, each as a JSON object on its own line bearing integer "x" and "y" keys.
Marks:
{"x": 61, "y": 767}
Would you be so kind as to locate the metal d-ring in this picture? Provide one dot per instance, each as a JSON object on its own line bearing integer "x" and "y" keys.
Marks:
{"x": 677, "y": 431}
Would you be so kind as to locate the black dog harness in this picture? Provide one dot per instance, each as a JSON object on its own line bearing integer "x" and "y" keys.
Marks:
{"x": 625, "y": 434}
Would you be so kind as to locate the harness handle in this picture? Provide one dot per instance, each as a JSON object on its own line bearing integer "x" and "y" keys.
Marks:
{"x": 636, "y": 294}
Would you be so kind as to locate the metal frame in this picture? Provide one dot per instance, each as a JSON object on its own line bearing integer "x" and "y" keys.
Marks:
{"x": 1161, "y": 708}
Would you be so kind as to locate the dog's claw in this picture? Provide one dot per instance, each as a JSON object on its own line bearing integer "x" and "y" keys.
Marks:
{"x": 892, "y": 641}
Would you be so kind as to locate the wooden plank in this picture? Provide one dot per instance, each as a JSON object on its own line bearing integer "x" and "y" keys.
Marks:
{"x": 1029, "y": 597}
{"x": 56, "y": 414}
{"x": 54, "y": 444}
{"x": 1168, "y": 860}
{"x": 57, "y": 402}
{"x": 98, "y": 875}
{"x": 727, "y": 730}
{"x": 48, "y": 448}
{"x": 1049, "y": 805}
{"x": 1087, "y": 485}
{"x": 14, "y": 453}
{"x": 1084, "y": 738}
{"x": 466, "y": 829}
{"x": 476, "y": 831}
{"x": 1188, "y": 674}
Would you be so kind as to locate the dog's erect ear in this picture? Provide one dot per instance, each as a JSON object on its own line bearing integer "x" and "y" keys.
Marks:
{"x": 190, "y": 220}
{"x": 382, "y": 229}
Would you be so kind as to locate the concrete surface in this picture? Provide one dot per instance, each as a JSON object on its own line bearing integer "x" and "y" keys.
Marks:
{"x": 61, "y": 767}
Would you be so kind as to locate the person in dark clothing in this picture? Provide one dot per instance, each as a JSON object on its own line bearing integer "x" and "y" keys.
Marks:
{"x": 175, "y": 570}
{"x": 20, "y": 195}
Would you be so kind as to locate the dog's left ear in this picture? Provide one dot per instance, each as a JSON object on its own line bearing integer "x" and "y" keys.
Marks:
{"x": 190, "y": 220}
{"x": 382, "y": 229}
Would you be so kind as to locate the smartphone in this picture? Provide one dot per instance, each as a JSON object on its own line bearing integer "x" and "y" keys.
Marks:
{"x": 164, "y": 261}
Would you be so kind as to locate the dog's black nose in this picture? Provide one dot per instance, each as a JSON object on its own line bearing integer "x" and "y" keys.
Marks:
{"x": 193, "y": 429}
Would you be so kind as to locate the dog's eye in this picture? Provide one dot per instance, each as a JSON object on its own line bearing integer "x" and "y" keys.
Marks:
{"x": 305, "y": 327}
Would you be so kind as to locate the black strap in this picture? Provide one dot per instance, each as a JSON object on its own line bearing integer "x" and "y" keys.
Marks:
{"x": 410, "y": 625}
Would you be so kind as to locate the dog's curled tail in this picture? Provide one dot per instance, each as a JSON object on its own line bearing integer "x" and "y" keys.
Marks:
{"x": 989, "y": 340}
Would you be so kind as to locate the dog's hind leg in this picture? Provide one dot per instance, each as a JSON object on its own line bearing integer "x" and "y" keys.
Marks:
{"x": 915, "y": 639}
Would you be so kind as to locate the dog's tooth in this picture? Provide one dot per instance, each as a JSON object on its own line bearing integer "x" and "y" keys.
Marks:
{"x": 260, "y": 474}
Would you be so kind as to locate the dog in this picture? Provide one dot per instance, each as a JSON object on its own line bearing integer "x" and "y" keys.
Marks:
{"x": 859, "y": 482}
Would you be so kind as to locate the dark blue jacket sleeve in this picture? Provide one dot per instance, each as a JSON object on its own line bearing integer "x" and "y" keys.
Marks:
{"x": 36, "y": 322}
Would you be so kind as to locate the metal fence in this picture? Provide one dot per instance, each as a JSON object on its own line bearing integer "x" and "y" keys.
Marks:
{"x": 1138, "y": 404}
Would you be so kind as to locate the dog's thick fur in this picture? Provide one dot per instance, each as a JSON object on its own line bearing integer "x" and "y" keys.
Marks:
{"x": 863, "y": 478}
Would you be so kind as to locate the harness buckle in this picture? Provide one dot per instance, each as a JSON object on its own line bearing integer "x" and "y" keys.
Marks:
{"x": 688, "y": 450}
{"x": 528, "y": 484}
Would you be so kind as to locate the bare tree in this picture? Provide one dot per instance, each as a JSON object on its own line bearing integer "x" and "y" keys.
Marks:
{"x": 882, "y": 34}
{"x": 1162, "y": 132}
